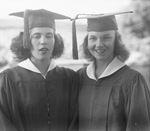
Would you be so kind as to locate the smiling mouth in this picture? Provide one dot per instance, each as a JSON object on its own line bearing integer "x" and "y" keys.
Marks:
{"x": 100, "y": 51}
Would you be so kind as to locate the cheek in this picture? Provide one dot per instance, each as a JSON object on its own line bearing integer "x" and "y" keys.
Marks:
{"x": 52, "y": 46}
{"x": 33, "y": 42}
{"x": 112, "y": 44}
{"x": 90, "y": 46}
{"x": 32, "y": 46}
{"x": 51, "y": 42}
{"x": 111, "y": 47}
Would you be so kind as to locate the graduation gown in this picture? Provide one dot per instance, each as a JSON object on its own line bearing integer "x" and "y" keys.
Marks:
{"x": 32, "y": 102}
{"x": 118, "y": 101}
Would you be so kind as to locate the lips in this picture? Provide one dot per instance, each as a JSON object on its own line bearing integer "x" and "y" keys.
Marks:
{"x": 100, "y": 50}
{"x": 43, "y": 49}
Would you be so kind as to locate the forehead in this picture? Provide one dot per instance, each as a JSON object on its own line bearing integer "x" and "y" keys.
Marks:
{"x": 41, "y": 30}
{"x": 110, "y": 32}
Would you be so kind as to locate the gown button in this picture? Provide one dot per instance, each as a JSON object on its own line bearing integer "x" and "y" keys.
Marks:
{"x": 49, "y": 122}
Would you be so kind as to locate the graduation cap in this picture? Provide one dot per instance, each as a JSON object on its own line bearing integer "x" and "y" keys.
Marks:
{"x": 37, "y": 18}
{"x": 96, "y": 22}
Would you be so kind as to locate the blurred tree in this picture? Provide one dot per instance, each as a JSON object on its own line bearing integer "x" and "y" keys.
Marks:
{"x": 139, "y": 22}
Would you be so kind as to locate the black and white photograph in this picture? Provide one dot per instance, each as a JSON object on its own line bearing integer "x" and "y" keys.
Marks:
{"x": 75, "y": 65}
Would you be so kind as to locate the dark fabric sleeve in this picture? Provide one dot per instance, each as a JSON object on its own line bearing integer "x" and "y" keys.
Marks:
{"x": 138, "y": 105}
{"x": 8, "y": 112}
{"x": 73, "y": 115}
{"x": 77, "y": 79}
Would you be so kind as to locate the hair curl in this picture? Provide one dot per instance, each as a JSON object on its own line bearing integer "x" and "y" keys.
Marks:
{"x": 21, "y": 53}
{"x": 119, "y": 50}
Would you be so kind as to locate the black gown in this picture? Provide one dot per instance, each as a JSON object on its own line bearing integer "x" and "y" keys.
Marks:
{"x": 28, "y": 102}
{"x": 118, "y": 102}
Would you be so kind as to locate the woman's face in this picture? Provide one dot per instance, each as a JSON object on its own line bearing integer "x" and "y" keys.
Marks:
{"x": 42, "y": 43}
{"x": 101, "y": 44}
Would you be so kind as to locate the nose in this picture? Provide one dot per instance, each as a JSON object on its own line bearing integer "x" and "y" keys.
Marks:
{"x": 99, "y": 42}
{"x": 43, "y": 40}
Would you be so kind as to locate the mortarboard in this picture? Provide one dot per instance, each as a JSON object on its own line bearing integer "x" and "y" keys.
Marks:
{"x": 38, "y": 18}
{"x": 96, "y": 22}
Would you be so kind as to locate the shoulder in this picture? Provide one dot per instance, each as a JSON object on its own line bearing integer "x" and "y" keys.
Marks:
{"x": 131, "y": 73}
{"x": 82, "y": 70}
{"x": 136, "y": 76}
{"x": 133, "y": 78}
{"x": 7, "y": 77}
{"x": 10, "y": 73}
{"x": 65, "y": 71}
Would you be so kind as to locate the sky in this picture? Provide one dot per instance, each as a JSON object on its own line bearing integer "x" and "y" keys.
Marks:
{"x": 65, "y": 7}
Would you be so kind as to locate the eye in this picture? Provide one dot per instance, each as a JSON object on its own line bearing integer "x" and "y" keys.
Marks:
{"x": 49, "y": 35}
{"x": 106, "y": 38}
{"x": 92, "y": 38}
{"x": 37, "y": 36}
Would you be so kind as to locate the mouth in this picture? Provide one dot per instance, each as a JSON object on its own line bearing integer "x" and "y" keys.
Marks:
{"x": 43, "y": 49}
{"x": 100, "y": 51}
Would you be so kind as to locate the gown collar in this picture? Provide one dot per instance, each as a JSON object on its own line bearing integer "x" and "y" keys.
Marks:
{"x": 113, "y": 66}
{"x": 27, "y": 64}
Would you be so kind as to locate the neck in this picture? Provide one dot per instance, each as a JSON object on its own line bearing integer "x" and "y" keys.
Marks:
{"x": 100, "y": 66}
{"x": 42, "y": 65}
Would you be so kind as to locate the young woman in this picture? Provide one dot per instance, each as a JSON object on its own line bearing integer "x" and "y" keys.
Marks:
{"x": 113, "y": 97}
{"x": 37, "y": 95}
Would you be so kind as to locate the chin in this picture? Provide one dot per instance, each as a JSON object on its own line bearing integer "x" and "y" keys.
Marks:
{"x": 99, "y": 57}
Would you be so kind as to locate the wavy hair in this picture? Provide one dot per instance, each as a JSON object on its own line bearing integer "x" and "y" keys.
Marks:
{"x": 119, "y": 50}
{"x": 21, "y": 53}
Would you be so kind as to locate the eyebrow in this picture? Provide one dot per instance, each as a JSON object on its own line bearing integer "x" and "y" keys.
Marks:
{"x": 49, "y": 33}
{"x": 92, "y": 35}
{"x": 106, "y": 35}
{"x": 41, "y": 33}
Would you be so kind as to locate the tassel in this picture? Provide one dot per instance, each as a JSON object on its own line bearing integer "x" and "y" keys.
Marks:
{"x": 74, "y": 40}
{"x": 26, "y": 37}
